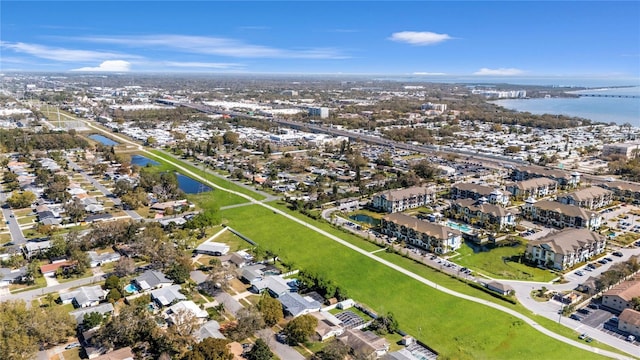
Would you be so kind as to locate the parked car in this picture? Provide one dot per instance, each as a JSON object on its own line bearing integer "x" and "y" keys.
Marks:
{"x": 579, "y": 273}
{"x": 584, "y": 311}
{"x": 594, "y": 306}
{"x": 582, "y": 336}
{"x": 72, "y": 345}
{"x": 617, "y": 253}
{"x": 575, "y": 317}
{"x": 588, "y": 339}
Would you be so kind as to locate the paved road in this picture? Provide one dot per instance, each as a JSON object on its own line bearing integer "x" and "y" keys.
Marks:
{"x": 30, "y": 295}
{"x": 283, "y": 351}
{"x": 17, "y": 238}
{"x": 395, "y": 267}
{"x": 134, "y": 215}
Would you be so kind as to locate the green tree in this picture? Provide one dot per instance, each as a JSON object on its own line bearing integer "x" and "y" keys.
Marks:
{"x": 114, "y": 295}
{"x": 271, "y": 309}
{"x": 58, "y": 247}
{"x": 384, "y": 324}
{"x": 112, "y": 282}
{"x": 300, "y": 329}
{"x": 335, "y": 350}
{"x": 248, "y": 322}
{"x": 209, "y": 349}
{"x": 19, "y": 200}
{"x": 260, "y": 351}
{"x": 179, "y": 271}
{"x": 92, "y": 319}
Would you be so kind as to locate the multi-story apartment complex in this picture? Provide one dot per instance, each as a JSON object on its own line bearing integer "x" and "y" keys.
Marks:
{"x": 621, "y": 296}
{"x": 566, "y": 248}
{"x": 477, "y": 192}
{"x": 429, "y": 236}
{"x": 623, "y": 190}
{"x": 535, "y": 188}
{"x": 321, "y": 112}
{"x": 629, "y": 321}
{"x": 625, "y": 150}
{"x": 488, "y": 216}
{"x": 590, "y": 198}
{"x": 553, "y": 213}
{"x": 402, "y": 199}
{"x": 564, "y": 179}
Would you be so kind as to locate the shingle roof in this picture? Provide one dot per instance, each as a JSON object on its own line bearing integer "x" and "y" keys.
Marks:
{"x": 296, "y": 304}
{"x": 532, "y": 183}
{"x": 431, "y": 229}
{"x": 569, "y": 210}
{"x": 588, "y": 193}
{"x": 399, "y": 194}
{"x": 168, "y": 294}
{"x": 151, "y": 279}
{"x": 476, "y": 188}
{"x": 485, "y": 208}
{"x": 626, "y": 290}
{"x": 630, "y": 316}
{"x": 568, "y": 240}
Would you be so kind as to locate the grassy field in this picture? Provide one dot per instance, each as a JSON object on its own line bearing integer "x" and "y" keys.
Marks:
{"x": 456, "y": 328}
{"x": 492, "y": 263}
{"x": 234, "y": 241}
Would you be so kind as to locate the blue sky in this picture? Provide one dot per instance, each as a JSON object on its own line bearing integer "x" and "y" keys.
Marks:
{"x": 541, "y": 38}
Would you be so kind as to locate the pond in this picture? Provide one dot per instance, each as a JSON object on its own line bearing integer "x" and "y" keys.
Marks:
{"x": 365, "y": 219}
{"x": 103, "y": 140}
{"x": 142, "y": 160}
{"x": 191, "y": 186}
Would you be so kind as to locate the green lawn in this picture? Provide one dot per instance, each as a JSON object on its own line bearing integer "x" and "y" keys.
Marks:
{"x": 492, "y": 263}
{"x": 234, "y": 241}
{"x": 454, "y": 327}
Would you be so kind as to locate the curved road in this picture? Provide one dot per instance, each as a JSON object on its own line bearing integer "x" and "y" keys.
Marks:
{"x": 402, "y": 270}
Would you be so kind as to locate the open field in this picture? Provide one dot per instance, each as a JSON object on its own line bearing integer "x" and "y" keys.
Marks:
{"x": 492, "y": 263}
{"x": 456, "y": 328}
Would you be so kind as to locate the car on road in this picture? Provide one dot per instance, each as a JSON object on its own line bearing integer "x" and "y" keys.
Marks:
{"x": 72, "y": 346}
{"x": 11, "y": 215}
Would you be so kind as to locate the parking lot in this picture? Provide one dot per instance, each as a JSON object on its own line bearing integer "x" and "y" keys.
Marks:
{"x": 601, "y": 320}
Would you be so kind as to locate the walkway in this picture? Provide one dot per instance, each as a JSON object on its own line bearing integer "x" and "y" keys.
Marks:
{"x": 400, "y": 269}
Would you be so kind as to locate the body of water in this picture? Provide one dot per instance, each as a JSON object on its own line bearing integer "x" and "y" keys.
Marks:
{"x": 142, "y": 160}
{"x": 365, "y": 219}
{"x": 600, "y": 109}
{"x": 103, "y": 140}
{"x": 460, "y": 227}
{"x": 191, "y": 186}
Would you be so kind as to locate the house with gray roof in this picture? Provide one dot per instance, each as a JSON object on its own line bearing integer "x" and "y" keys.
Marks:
{"x": 10, "y": 276}
{"x": 104, "y": 308}
{"x": 167, "y": 295}
{"x": 34, "y": 248}
{"x": 84, "y": 296}
{"x": 151, "y": 279}
{"x": 96, "y": 259}
{"x": 296, "y": 305}
{"x": 210, "y": 329}
{"x": 253, "y": 273}
{"x": 212, "y": 248}
{"x": 276, "y": 285}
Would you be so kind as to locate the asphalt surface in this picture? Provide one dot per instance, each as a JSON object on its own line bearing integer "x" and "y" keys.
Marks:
{"x": 17, "y": 238}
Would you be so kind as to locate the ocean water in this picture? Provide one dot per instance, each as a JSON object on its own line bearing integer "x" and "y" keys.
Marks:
{"x": 607, "y": 110}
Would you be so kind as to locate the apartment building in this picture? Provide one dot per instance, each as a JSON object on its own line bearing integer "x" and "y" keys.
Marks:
{"x": 476, "y": 192}
{"x": 429, "y": 236}
{"x": 623, "y": 190}
{"x": 592, "y": 198}
{"x": 535, "y": 188}
{"x": 564, "y": 179}
{"x": 553, "y": 213}
{"x": 392, "y": 201}
{"x": 488, "y": 216}
{"x": 566, "y": 248}
{"x": 621, "y": 296}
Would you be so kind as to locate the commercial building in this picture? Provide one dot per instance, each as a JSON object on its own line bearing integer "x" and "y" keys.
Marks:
{"x": 321, "y": 112}
{"x": 429, "y": 236}
{"x": 625, "y": 150}
{"x": 402, "y": 199}
{"x": 566, "y": 248}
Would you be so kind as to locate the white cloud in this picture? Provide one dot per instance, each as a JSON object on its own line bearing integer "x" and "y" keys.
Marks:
{"x": 215, "y": 46}
{"x": 195, "y": 64}
{"x": 61, "y": 54}
{"x": 422, "y": 73}
{"x": 421, "y": 38}
{"x": 109, "y": 66}
{"x": 499, "y": 72}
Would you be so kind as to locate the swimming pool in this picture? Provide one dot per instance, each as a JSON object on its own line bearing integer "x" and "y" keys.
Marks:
{"x": 461, "y": 227}
{"x": 130, "y": 288}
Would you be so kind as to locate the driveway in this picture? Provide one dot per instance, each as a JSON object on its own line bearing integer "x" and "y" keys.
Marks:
{"x": 17, "y": 238}
{"x": 283, "y": 351}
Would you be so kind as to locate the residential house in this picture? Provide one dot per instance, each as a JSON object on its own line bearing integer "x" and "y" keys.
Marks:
{"x": 84, "y": 296}
{"x": 253, "y": 273}
{"x": 120, "y": 354}
{"x": 11, "y": 276}
{"x": 276, "y": 285}
{"x": 96, "y": 259}
{"x": 477, "y": 192}
{"x": 328, "y": 325}
{"x": 98, "y": 217}
{"x": 629, "y": 321}
{"x": 176, "y": 310}
{"x": 392, "y": 201}
{"x": 365, "y": 344}
{"x": 564, "y": 179}
{"x": 35, "y": 248}
{"x": 103, "y": 309}
{"x": 295, "y": 305}
{"x": 566, "y": 248}
{"x": 167, "y": 295}
{"x": 212, "y": 248}
{"x": 553, "y": 213}
{"x": 429, "y": 236}
{"x": 621, "y": 296}
{"x": 174, "y": 205}
{"x": 151, "y": 279}
{"x": 483, "y": 214}
{"x": 500, "y": 288}
{"x": 210, "y": 329}
{"x": 51, "y": 269}
{"x": 592, "y": 198}
{"x": 534, "y": 188}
